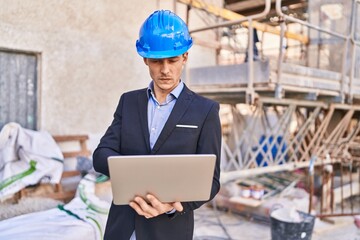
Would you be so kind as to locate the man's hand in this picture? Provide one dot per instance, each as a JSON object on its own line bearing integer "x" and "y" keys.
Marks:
{"x": 154, "y": 207}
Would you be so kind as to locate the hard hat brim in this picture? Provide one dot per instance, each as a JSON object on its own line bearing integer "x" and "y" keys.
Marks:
{"x": 162, "y": 54}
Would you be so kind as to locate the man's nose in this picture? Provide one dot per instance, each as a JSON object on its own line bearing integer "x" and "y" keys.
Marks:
{"x": 165, "y": 68}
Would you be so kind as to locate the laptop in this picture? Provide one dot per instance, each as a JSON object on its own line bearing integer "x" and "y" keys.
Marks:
{"x": 170, "y": 178}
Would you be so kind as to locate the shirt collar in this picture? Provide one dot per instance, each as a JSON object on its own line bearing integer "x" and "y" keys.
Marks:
{"x": 175, "y": 92}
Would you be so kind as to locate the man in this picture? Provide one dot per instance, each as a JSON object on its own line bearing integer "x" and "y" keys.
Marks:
{"x": 150, "y": 121}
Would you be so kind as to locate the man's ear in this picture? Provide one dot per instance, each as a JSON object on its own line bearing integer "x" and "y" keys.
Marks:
{"x": 185, "y": 56}
{"x": 145, "y": 61}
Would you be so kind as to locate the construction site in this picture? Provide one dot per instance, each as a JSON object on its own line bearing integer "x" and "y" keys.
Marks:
{"x": 285, "y": 72}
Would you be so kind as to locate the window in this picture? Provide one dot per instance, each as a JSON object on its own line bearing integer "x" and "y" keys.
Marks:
{"x": 18, "y": 89}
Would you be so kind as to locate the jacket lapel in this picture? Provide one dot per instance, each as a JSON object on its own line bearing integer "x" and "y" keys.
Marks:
{"x": 178, "y": 111}
{"x": 143, "y": 104}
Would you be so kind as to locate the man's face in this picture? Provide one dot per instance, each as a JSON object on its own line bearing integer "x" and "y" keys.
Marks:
{"x": 166, "y": 72}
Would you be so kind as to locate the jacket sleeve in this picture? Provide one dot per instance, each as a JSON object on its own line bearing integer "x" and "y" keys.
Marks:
{"x": 110, "y": 143}
{"x": 209, "y": 143}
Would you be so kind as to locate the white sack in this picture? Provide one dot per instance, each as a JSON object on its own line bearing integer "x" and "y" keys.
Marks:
{"x": 26, "y": 158}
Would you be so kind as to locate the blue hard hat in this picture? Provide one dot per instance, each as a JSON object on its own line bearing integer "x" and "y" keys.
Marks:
{"x": 163, "y": 35}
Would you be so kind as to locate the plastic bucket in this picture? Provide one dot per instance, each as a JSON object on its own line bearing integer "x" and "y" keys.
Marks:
{"x": 289, "y": 230}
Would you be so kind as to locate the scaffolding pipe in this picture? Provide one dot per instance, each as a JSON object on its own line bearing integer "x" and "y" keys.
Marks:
{"x": 174, "y": 6}
{"x": 229, "y": 176}
{"x": 250, "y": 88}
{"x": 278, "y": 93}
{"x": 237, "y": 19}
{"x": 347, "y": 38}
{"x": 243, "y": 19}
{"x": 292, "y": 19}
{"x": 355, "y": 43}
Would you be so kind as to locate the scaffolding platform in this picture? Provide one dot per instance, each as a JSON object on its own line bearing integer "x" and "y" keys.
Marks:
{"x": 230, "y": 84}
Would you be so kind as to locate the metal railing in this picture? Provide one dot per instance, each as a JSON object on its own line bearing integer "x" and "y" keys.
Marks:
{"x": 349, "y": 39}
{"x": 247, "y": 149}
{"x": 341, "y": 84}
{"x": 256, "y": 145}
{"x": 250, "y": 93}
{"x": 264, "y": 140}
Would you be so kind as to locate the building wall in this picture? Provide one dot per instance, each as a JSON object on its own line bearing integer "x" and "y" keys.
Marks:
{"x": 87, "y": 56}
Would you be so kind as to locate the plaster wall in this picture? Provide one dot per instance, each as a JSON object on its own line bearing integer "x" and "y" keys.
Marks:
{"x": 87, "y": 56}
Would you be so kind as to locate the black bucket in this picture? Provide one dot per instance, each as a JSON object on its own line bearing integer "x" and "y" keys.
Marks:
{"x": 282, "y": 230}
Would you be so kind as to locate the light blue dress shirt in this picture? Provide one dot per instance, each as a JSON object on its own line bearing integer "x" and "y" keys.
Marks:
{"x": 158, "y": 114}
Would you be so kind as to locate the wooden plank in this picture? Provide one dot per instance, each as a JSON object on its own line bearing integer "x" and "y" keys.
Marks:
{"x": 84, "y": 153}
{"x": 70, "y": 174}
{"x": 298, "y": 102}
{"x": 80, "y": 139}
{"x": 67, "y": 138}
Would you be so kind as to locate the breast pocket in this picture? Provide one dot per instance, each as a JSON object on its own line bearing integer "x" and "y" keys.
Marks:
{"x": 187, "y": 129}
{"x": 183, "y": 140}
{"x": 185, "y": 136}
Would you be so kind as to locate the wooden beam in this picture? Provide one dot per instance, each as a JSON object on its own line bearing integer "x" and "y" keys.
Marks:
{"x": 67, "y": 138}
{"x": 250, "y": 7}
{"x": 230, "y": 15}
{"x": 245, "y": 5}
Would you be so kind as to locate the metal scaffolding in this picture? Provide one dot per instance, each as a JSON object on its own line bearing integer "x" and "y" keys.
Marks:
{"x": 286, "y": 114}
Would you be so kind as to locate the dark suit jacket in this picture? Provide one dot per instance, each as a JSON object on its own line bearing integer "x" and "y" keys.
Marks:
{"x": 128, "y": 134}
